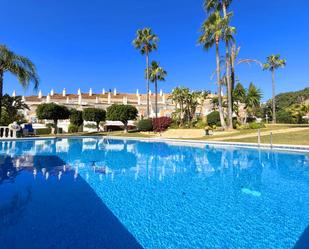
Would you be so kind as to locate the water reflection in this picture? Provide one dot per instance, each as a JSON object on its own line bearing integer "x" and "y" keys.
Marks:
{"x": 46, "y": 165}
{"x": 152, "y": 160}
{"x": 193, "y": 182}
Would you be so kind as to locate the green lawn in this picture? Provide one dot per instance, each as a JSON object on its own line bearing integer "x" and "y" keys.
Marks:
{"x": 268, "y": 128}
{"x": 298, "y": 138}
{"x": 293, "y": 137}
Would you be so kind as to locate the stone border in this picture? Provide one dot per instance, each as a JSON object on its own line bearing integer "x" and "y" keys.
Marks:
{"x": 277, "y": 147}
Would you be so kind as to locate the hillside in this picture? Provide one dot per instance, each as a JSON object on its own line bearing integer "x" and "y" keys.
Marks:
{"x": 287, "y": 99}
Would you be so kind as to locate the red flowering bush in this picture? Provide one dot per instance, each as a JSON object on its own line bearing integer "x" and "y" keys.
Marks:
{"x": 161, "y": 124}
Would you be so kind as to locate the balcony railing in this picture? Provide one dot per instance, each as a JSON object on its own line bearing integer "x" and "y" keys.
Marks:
{"x": 6, "y": 132}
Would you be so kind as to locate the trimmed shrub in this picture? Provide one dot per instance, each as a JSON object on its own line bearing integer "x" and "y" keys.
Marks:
{"x": 200, "y": 124}
{"x": 122, "y": 113}
{"x": 90, "y": 126}
{"x": 255, "y": 125}
{"x": 73, "y": 128}
{"x": 161, "y": 124}
{"x": 76, "y": 117}
{"x": 52, "y": 111}
{"x": 43, "y": 131}
{"x": 145, "y": 125}
{"x": 213, "y": 118}
{"x": 94, "y": 114}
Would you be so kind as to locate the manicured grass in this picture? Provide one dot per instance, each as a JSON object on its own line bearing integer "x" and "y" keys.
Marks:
{"x": 298, "y": 138}
{"x": 293, "y": 137}
{"x": 129, "y": 134}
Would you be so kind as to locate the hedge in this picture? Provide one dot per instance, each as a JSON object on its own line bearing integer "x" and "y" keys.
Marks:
{"x": 145, "y": 125}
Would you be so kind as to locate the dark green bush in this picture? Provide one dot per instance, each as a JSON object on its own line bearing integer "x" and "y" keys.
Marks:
{"x": 76, "y": 117}
{"x": 236, "y": 123}
{"x": 90, "y": 126}
{"x": 145, "y": 125}
{"x": 73, "y": 128}
{"x": 43, "y": 131}
{"x": 213, "y": 118}
{"x": 255, "y": 125}
{"x": 285, "y": 117}
{"x": 200, "y": 124}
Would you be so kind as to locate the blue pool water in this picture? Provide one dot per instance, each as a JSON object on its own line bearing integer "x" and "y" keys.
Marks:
{"x": 99, "y": 193}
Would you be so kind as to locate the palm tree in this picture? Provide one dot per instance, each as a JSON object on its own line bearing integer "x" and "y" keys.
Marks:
{"x": 155, "y": 74}
{"x": 272, "y": 64}
{"x": 178, "y": 97}
{"x": 239, "y": 96}
{"x": 11, "y": 107}
{"x": 229, "y": 32}
{"x": 252, "y": 100}
{"x": 222, "y": 5}
{"x": 146, "y": 42}
{"x": 212, "y": 32}
{"x": 217, "y": 5}
{"x": 19, "y": 66}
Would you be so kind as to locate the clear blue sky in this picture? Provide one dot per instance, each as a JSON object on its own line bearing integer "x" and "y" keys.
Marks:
{"x": 88, "y": 43}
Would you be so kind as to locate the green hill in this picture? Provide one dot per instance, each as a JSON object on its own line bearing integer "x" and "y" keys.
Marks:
{"x": 284, "y": 100}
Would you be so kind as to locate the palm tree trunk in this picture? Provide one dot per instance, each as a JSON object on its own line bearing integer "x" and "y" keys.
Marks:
{"x": 219, "y": 87}
{"x": 232, "y": 80}
{"x": 274, "y": 95}
{"x": 229, "y": 87}
{"x": 156, "y": 91}
{"x": 1, "y": 91}
{"x": 147, "y": 69}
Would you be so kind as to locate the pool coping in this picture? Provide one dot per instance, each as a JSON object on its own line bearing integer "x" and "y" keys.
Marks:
{"x": 281, "y": 147}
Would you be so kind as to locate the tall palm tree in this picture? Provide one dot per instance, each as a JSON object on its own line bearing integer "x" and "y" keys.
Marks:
{"x": 155, "y": 74}
{"x": 229, "y": 32}
{"x": 272, "y": 64}
{"x": 217, "y": 5}
{"x": 222, "y": 5}
{"x": 19, "y": 66}
{"x": 146, "y": 42}
{"x": 212, "y": 33}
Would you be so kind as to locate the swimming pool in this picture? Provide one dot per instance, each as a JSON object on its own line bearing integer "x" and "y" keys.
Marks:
{"x": 113, "y": 193}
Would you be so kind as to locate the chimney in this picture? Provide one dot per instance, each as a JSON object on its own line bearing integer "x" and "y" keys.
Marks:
{"x": 40, "y": 94}
{"x": 163, "y": 98}
{"x": 79, "y": 92}
{"x": 14, "y": 94}
{"x": 103, "y": 91}
{"x": 115, "y": 92}
{"x": 90, "y": 92}
{"x": 125, "y": 100}
{"x": 109, "y": 98}
{"x": 149, "y": 92}
{"x": 63, "y": 92}
{"x": 137, "y": 93}
{"x": 161, "y": 92}
{"x": 52, "y": 92}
